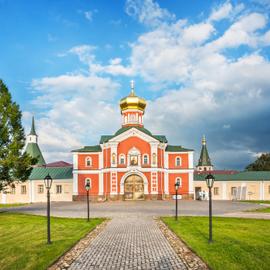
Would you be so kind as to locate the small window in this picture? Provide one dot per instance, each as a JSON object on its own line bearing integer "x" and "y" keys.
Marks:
{"x": 179, "y": 179}
{"x": 178, "y": 161}
{"x": 145, "y": 159}
{"x": 58, "y": 189}
{"x": 13, "y": 190}
{"x": 88, "y": 162}
{"x": 122, "y": 159}
{"x": 216, "y": 191}
{"x": 23, "y": 189}
{"x": 233, "y": 191}
{"x": 113, "y": 158}
{"x": 154, "y": 161}
{"x": 40, "y": 189}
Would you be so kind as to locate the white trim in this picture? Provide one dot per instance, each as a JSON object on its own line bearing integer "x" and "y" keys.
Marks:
{"x": 120, "y": 156}
{"x": 122, "y": 181}
{"x": 166, "y": 183}
{"x": 166, "y": 160}
{"x": 111, "y": 180}
{"x": 156, "y": 180}
{"x": 131, "y": 133}
{"x": 145, "y": 155}
{"x": 100, "y": 160}
{"x": 175, "y": 161}
{"x": 132, "y": 168}
{"x": 86, "y": 159}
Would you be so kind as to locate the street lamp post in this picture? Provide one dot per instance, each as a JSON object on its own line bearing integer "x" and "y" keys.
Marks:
{"x": 48, "y": 184}
{"x": 87, "y": 187}
{"x": 177, "y": 185}
{"x": 210, "y": 179}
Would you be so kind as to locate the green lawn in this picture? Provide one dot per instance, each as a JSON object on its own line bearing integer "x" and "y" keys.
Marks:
{"x": 23, "y": 239}
{"x": 239, "y": 244}
{"x": 265, "y": 202}
{"x": 8, "y": 205}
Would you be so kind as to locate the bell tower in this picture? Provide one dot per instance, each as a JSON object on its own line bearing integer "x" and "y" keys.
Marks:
{"x": 132, "y": 109}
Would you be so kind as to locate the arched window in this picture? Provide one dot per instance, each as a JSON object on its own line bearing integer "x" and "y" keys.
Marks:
{"x": 113, "y": 158}
{"x": 154, "y": 159}
{"x": 179, "y": 179}
{"x": 178, "y": 161}
{"x": 122, "y": 159}
{"x": 86, "y": 180}
{"x": 145, "y": 159}
{"x": 88, "y": 161}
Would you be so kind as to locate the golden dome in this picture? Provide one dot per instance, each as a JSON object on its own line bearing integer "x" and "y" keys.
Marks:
{"x": 132, "y": 101}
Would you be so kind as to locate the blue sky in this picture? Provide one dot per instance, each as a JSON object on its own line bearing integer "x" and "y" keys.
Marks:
{"x": 203, "y": 66}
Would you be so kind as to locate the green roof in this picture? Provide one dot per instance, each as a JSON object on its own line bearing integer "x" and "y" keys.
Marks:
{"x": 204, "y": 157}
{"x": 177, "y": 148}
{"x": 93, "y": 148}
{"x": 39, "y": 173}
{"x": 33, "y": 150}
{"x": 241, "y": 176}
{"x": 106, "y": 138}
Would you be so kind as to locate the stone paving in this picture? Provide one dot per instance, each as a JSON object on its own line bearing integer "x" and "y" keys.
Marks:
{"x": 129, "y": 243}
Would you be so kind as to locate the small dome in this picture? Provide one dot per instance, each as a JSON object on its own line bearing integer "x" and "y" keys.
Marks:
{"x": 132, "y": 101}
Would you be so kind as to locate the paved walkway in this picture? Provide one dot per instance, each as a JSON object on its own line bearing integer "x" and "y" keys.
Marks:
{"x": 129, "y": 243}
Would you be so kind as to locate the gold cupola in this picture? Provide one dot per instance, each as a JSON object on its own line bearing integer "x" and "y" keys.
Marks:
{"x": 132, "y": 102}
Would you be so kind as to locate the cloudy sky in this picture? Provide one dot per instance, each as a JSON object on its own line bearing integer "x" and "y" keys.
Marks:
{"x": 203, "y": 67}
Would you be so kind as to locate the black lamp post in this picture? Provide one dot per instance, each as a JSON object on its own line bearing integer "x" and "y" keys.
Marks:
{"x": 87, "y": 187}
{"x": 210, "y": 179}
{"x": 48, "y": 184}
{"x": 177, "y": 185}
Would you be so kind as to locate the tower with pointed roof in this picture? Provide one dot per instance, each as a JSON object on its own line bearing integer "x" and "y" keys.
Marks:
{"x": 204, "y": 163}
{"x": 32, "y": 147}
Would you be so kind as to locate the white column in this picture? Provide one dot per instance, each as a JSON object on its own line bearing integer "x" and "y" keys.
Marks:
{"x": 75, "y": 161}
{"x": 190, "y": 183}
{"x": 75, "y": 183}
{"x": 100, "y": 184}
{"x": 190, "y": 160}
{"x": 166, "y": 183}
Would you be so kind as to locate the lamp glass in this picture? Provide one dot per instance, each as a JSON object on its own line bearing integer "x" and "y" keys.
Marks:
{"x": 87, "y": 185}
{"x": 48, "y": 181}
{"x": 177, "y": 184}
{"x": 210, "y": 179}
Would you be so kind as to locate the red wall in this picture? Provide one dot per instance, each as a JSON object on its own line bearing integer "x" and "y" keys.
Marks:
{"x": 81, "y": 184}
{"x": 81, "y": 161}
{"x": 184, "y": 188}
{"x": 184, "y": 158}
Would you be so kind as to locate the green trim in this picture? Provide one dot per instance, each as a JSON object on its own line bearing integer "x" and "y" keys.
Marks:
{"x": 34, "y": 151}
{"x": 39, "y": 173}
{"x": 94, "y": 148}
{"x": 177, "y": 148}
{"x": 106, "y": 138}
{"x": 241, "y": 176}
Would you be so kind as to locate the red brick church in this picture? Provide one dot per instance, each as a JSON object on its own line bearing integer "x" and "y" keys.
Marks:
{"x": 133, "y": 163}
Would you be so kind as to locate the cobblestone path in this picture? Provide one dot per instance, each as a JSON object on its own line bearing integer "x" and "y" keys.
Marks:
{"x": 129, "y": 243}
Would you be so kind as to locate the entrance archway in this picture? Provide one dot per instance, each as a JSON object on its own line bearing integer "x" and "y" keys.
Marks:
{"x": 134, "y": 188}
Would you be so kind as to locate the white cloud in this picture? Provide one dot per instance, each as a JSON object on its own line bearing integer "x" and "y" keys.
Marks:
{"x": 88, "y": 15}
{"x": 84, "y": 52}
{"x": 221, "y": 12}
{"x": 148, "y": 12}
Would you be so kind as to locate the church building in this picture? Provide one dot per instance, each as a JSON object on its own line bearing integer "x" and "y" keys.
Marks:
{"x": 133, "y": 163}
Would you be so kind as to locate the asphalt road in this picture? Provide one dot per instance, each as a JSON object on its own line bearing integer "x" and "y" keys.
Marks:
{"x": 136, "y": 208}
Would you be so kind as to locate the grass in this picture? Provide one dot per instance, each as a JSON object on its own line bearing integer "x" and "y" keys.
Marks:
{"x": 257, "y": 201}
{"x": 240, "y": 244}
{"x": 23, "y": 239}
{"x": 8, "y": 205}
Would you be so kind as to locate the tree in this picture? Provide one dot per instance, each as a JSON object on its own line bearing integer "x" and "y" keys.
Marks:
{"x": 14, "y": 164}
{"x": 260, "y": 164}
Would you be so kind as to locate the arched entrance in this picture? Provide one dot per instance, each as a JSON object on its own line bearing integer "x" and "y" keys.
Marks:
{"x": 134, "y": 188}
